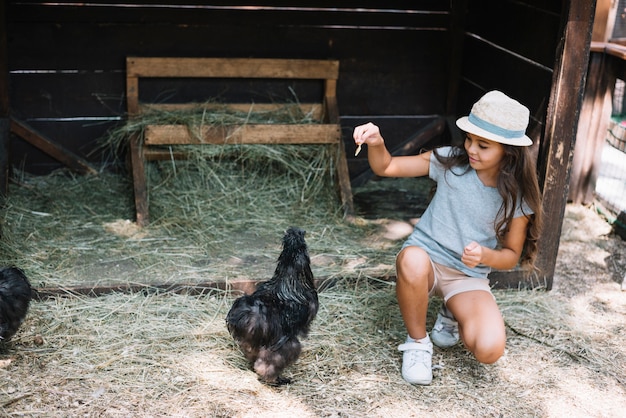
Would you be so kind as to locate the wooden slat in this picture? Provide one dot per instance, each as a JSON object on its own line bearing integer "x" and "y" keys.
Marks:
{"x": 314, "y": 110}
{"x": 331, "y": 102}
{"x": 132, "y": 95}
{"x": 163, "y": 154}
{"x": 243, "y": 134}
{"x": 233, "y": 287}
{"x": 232, "y": 68}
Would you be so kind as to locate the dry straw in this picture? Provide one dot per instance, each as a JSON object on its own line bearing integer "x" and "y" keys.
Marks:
{"x": 217, "y": 215}
{"x": 160, "y": 354}
{"x": 220, "y": 216}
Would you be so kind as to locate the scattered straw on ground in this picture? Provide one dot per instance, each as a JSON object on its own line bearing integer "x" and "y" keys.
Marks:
{"x": 216, "y": 217}
{"x": 151, "y": 354}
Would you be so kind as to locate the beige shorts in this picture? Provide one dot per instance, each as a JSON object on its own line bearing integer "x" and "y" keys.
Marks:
{"x": 449, "y": 282}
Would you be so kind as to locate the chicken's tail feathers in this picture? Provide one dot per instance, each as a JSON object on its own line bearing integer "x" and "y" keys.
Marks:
{"x": 247, "y": 318}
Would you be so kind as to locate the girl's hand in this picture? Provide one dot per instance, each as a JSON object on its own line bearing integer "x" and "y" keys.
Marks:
{"x": 367, "y": 134}
{"x": 472, "y": 254}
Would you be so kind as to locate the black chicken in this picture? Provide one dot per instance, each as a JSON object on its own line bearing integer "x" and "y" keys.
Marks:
{"x": 267, "y": 323}
{"x": 15, "y": 296}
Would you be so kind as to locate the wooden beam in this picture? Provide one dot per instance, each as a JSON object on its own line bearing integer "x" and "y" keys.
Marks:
{"x": 233, "y": 287}
{"x": 562, "y": 115}
{"x": 51, "y": 148}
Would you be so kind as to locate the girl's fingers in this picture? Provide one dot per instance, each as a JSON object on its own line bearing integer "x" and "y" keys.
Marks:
{"x": 362, "y": 133}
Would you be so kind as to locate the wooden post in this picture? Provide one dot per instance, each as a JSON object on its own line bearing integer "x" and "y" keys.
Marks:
{"x": 560, "y": 130}
{"x": 140, "y": 185}
{"x": 592, "y": 126}
{"x": 4, "y": 106}
{"x": 4, "y": 159}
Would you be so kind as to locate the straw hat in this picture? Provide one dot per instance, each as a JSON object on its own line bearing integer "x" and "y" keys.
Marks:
{"x": 499, "y": 118}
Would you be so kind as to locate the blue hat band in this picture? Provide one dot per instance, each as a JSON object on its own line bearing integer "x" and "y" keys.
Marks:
{"x": 494, "y": 129}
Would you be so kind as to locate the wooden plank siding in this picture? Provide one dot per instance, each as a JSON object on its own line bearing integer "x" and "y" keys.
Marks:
{"x": 81, "y": 49}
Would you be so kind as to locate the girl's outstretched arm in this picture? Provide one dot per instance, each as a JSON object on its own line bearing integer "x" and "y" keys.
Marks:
{"x": 381, "y": 162}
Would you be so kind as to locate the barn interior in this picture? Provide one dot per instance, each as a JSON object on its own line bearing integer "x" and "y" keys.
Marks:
{"x": 411, "y": 70}
{"x": 154, "y": 342}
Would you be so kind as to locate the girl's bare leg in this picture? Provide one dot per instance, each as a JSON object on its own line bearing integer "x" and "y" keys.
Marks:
{"x": 415, "y": 278}
{"x": 481, "y": 326}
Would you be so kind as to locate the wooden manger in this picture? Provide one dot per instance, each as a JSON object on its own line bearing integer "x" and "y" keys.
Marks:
{"x": 149, "y": 146}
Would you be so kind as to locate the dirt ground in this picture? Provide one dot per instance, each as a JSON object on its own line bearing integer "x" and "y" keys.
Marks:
{"x": 153, "y": 354}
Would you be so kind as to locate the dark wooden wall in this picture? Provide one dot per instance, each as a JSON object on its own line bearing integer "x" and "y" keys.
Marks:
{"x": 67, "y": 62}
{"x": 402, "y": 65}
{"x": 399, "y": 65}
{"x": 511, "y": 46}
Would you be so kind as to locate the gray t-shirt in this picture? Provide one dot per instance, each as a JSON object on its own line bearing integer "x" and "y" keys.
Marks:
{"x": 462, "y": 210}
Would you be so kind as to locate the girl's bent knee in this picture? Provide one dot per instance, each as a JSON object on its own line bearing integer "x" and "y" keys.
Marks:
{"x": 413, "y": 264}
{"x": 412, "y": 258}
{"x": 489, "y": 354}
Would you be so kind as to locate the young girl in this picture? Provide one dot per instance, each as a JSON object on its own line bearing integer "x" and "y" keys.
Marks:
{"x": 485, "y": 213}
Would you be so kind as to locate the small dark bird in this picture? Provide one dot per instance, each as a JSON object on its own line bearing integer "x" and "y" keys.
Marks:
{"x": 15, "y": 296}
{"x": 267, "y": 323}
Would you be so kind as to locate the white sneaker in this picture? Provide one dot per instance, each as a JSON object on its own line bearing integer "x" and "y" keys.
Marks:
{"x": 445, "y": 332}
{"x": 417, "y": 362}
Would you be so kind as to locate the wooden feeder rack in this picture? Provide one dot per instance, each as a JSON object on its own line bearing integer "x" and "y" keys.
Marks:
{"x": 149, "y": 146}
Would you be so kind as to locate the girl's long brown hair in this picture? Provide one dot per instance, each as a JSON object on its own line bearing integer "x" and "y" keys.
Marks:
{"x": 517, "y": 182}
